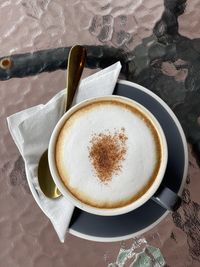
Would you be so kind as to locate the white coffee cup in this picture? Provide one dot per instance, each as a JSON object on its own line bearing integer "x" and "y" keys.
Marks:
{"x": 117, "y": 210}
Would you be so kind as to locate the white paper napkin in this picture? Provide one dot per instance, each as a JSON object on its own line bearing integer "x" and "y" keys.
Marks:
{"x": 31, "y": 130}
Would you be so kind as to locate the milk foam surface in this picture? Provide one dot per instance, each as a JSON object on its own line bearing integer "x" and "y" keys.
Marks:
{"x": 75, "y": 167}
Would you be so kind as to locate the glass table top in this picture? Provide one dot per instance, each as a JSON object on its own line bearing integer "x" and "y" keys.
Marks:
{"x": 158, "y": 44}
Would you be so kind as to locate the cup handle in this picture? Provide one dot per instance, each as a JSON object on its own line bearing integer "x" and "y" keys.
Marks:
{"x": 166, "y": 198}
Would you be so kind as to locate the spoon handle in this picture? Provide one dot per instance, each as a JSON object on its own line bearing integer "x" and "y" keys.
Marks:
{"x": 76, "y": 63}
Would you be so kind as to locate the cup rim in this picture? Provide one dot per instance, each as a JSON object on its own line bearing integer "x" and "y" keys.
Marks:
{"x": 111, "y": 211}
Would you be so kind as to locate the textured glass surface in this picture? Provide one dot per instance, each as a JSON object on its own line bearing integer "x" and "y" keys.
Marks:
{"x": 161, "y": 44}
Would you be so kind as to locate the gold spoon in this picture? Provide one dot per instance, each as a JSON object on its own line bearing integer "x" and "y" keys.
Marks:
{"x": 76, "y": 62}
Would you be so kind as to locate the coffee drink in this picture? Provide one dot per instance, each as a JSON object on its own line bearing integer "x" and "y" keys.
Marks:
{"x": 108, "y": 153}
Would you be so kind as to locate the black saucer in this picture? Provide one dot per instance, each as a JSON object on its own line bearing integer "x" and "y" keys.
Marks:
{"x": 115, "y": 228}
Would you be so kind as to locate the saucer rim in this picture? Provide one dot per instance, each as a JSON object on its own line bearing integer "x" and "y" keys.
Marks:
{"x": 176, "y": 121}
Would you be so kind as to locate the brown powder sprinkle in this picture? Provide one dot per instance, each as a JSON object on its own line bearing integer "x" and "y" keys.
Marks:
{"x": 106, "y": 153}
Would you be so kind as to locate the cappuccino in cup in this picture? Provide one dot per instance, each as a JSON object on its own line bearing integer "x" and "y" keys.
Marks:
{"x": 108, "y": 154}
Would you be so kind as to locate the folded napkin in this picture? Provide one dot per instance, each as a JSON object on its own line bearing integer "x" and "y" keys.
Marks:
{"x": 31, "y": 130}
